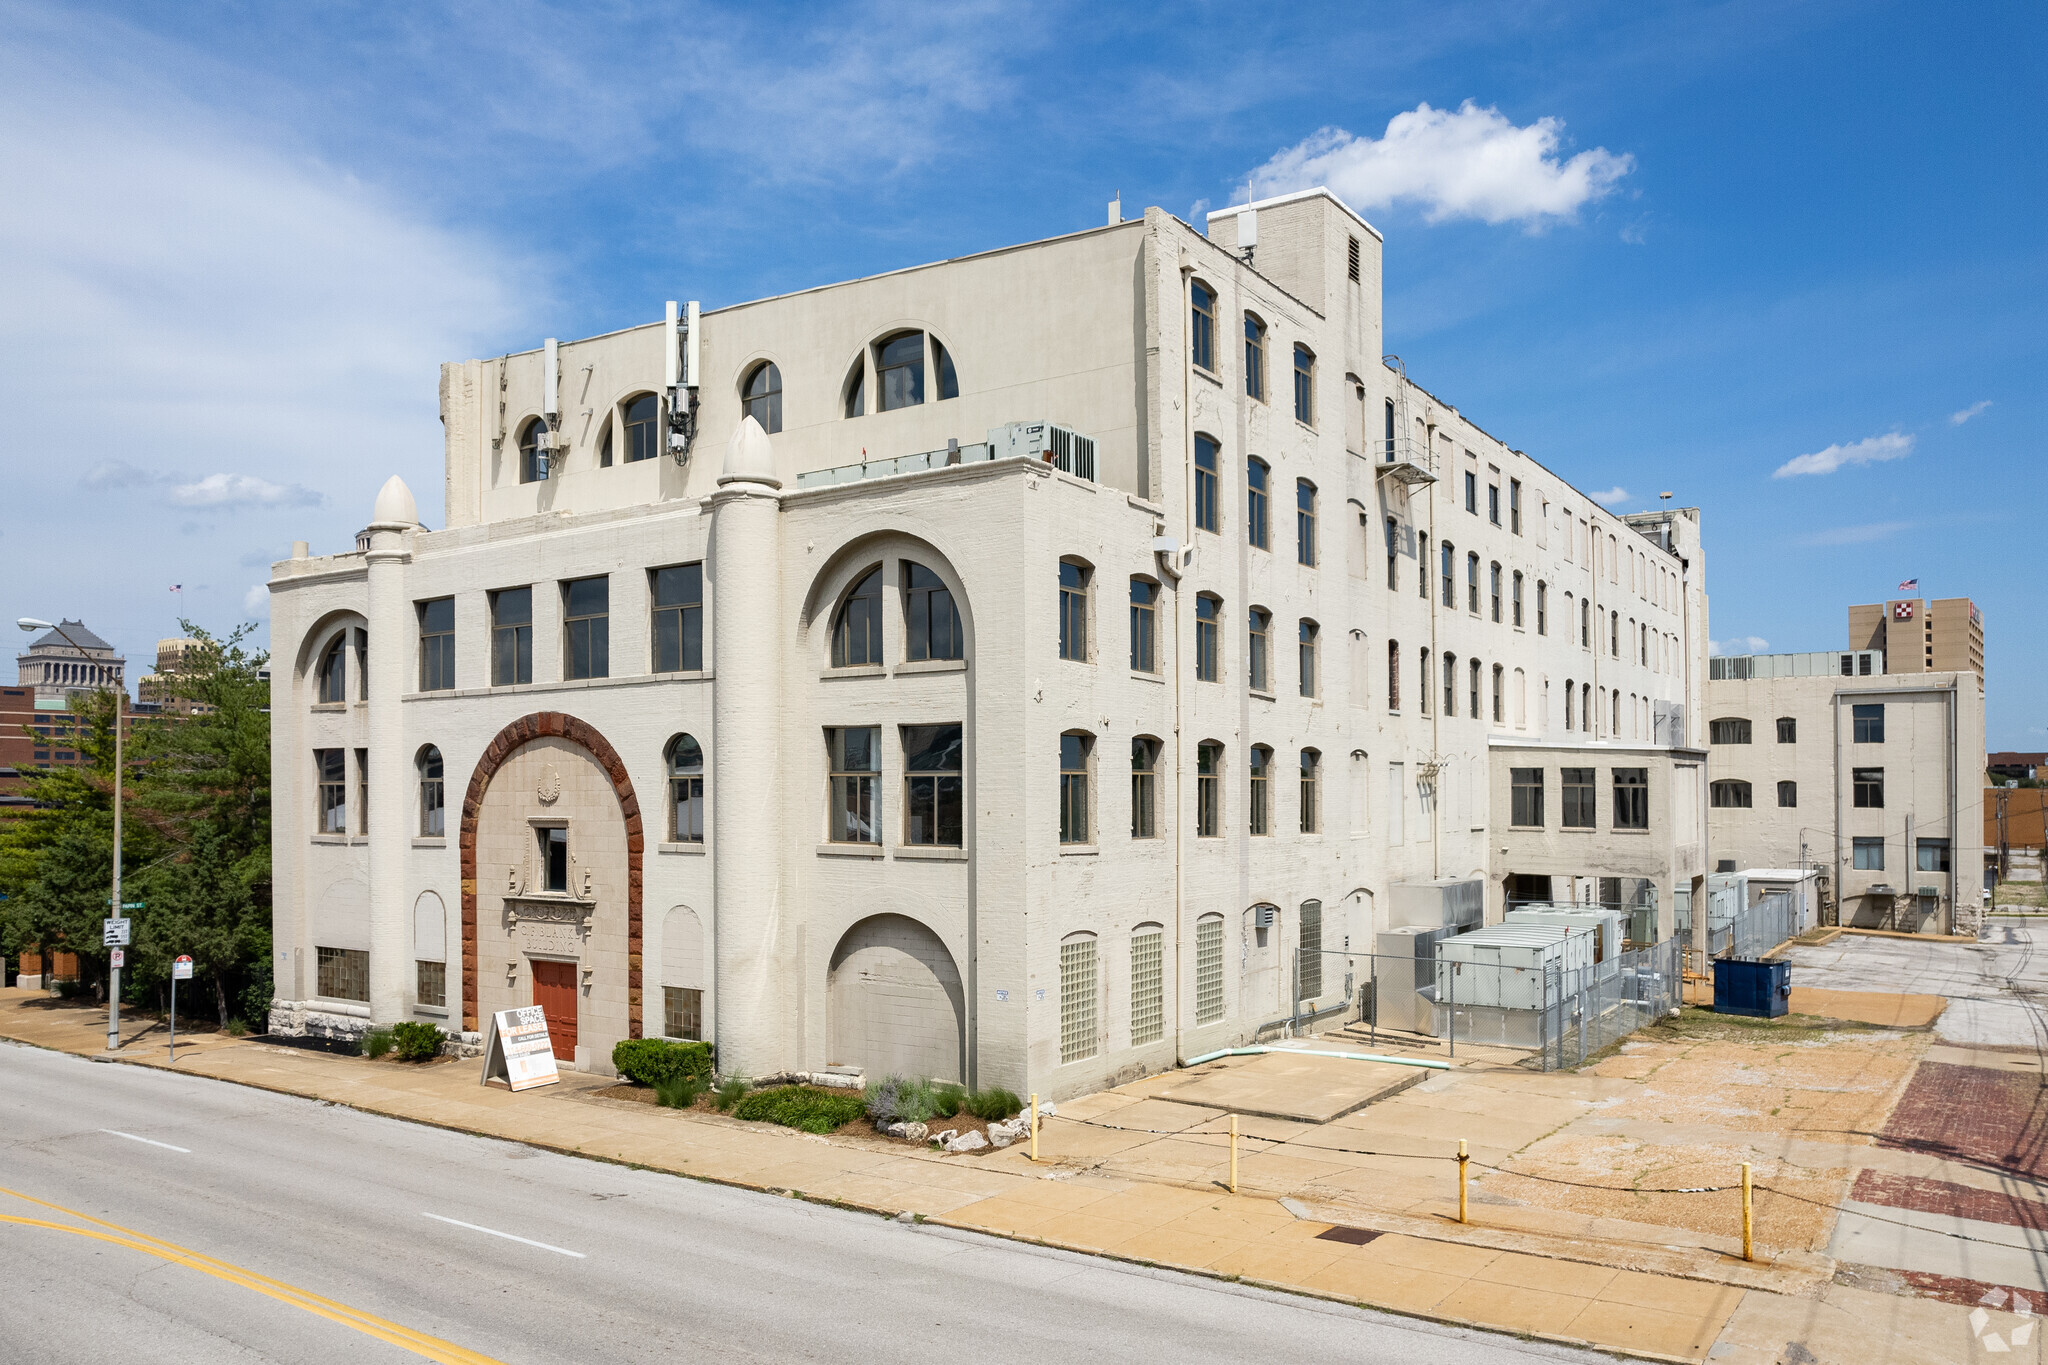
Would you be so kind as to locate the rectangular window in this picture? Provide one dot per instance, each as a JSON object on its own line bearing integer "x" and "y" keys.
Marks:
{"x": 1074, "y": 803}
{"x": 1472, "y": 583}
{"x": 1209, "y": 970}
{"x": 1472, "y": 492}
{"x": 1305, "y": 522}
{"x": 932, "y": 785}
{"x": 934, "y": 621}
{"x": 1394, "y": 555}
{"x": 682, "y": 1013}
{"x": 1144, "y": 789}
{"x": 437, "y": 644}
{"x": 343, "y": 973}
{"x": 1148, "y": 988}
{"x": 1528, "y": 797}
{"x": 1257, "y": 494}
{"x": 1493, "y": 502}
{"x": 1733, "y": 730}
{"x": 1729, "y": 795}
{"x": 1073, "y": 612}
{"x": 1077, "y": 999}
{"x": 1932, "y": 854}
{"x": 1869, "y": 855}
{"x": 1788, "y": 730}
{"x": 1207, "y": 460}
{"x": 1869, "y": 788}
{"x": 1518, "y": 599}
{"x": 1209, "y": 791}
{"x": 1261, "y": 772}
{"x": 855, "y": 758}
{"x": 1310, "y": 984}
{"x": 331, "y": 765}
{"x": 1311, "y": 791}
{"x": 1304, "y": 386}
{"x": 1493, "y": 595}
{"x": 552, "y": 850}
{"x": 430, "y": 983}
{"x": 1515, "y": 506}
{"x": 1788, "y": 794}
{"x": 1208, "y": 622}
{"x": 678, "y": 625}
{"x": 1309, "y": 638}
{"x": 587, "y": 628}
{"x": 511, "y": 637}
{"x": 1261, "y": 638}
{"x": 362, "y": 811}
{"x": 1869, "y": 723}
{"x": 1543, "y": 609}
{"x": 1202, "y": 327}
{"x": 1422, "y": 565}
{"x": 1631, "y": 798}
{"x": 1144, "y": 626}
{"x": 433, "y": 796}
{"x": 1449, "y": 558}
{"x": 1254, "y": 358}
{"x": 1577, "y": 787}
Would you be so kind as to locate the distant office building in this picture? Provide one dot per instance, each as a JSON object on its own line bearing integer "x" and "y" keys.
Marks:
{"x": 2007, "y": 766}
{"x": 154, "y": 691}
{"x": 1862, "y": 762}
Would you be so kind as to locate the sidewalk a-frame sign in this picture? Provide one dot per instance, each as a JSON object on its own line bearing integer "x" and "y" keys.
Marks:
{"x": 518, "y": 1050}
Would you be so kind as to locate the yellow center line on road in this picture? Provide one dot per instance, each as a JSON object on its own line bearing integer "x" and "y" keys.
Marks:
{"x": 431, "y": 1347}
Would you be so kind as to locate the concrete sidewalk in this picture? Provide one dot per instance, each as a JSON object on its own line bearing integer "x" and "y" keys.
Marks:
{"x": 1159, "y": 1203}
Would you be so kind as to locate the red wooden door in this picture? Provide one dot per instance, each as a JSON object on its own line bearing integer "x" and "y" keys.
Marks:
{"x": 554, "y": 990}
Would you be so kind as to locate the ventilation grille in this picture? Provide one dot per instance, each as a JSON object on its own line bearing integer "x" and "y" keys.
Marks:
{"x": 1074, "y": 453}
{"x": 1354, "y": 260}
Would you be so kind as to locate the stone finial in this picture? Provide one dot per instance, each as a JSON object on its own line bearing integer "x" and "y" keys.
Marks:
{"x": 395, "y": 505}
{"x": 748, "y": 455}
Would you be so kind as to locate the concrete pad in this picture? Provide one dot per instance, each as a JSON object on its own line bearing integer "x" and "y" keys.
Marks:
{"x": 1940, "y": 1244}
{"x": 1651, "y": 1330}
{"x": 1512, "y": 1307}
{"x": 1303, "y": 1087}
{"x": 1869, "y": 1007}
{"x": 1856, "y": 1325}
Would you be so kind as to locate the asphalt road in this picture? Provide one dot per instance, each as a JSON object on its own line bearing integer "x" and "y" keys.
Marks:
{"x": 404, "y": 1229}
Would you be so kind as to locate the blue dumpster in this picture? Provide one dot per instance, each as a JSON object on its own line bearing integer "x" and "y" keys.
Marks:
{"x": 1762, "y": 990}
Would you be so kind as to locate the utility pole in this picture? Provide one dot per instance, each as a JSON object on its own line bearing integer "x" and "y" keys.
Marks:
{"x": 30, "y": 623}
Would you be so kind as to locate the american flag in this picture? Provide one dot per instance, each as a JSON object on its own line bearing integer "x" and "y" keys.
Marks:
{"x": 1910, "y": 585}
{"x": 177, "y": 587}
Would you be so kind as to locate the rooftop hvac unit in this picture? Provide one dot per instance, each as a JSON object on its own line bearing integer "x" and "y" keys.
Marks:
{"x": 1065, "y": 449}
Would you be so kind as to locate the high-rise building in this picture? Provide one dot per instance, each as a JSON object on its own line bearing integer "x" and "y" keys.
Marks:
{"x": 1918, "y": 636}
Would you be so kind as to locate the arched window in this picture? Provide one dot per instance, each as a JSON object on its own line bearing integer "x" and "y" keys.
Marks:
{"x": 643, "y": 428}
{"x": 1585, "y": 623}
{"x": 1075, "y": 751}
{"x": 1148, "y": 984}
{"x": 1261, "y": 648}
{"x": 1472, "y": 694}
{"x": 1586, "y": 707}
{"x": 857, "y": 633}
{"x": 1309, "y": 962}
{"x": 1304, "y": 385}
{"x": 1450, "y": 685}
{"x": 1518, "y": 598}
{"x": 1254, "y": 358}
{"x": 1257, "y": 481}
{"x": 1493, "y": 582}
{"x": 1568, "y": 704}
{"x": 856, "y": 398}
{"x": 1521, "y": 700}
{"x": 1729, "y": 730}
{"x": 1208, "y": 969}
{"x": 942, "y": 363}
{"x": 1728, "y": 794}
{"x": 1144, "y": 788}
{"x": 1393, "y": 675}
{"x": 1542, "y": 607}
{"x": 1261, "y": 766}
{"x": 1499, "y": 704}
{"x": 433, "y": 794}
{"x": 334, "y": 670}
{"x": 1614, "y": 635}
{"x": 1311, "y": 791}
{"x": 1305, "y": 522}
{"x": 685, "y": 791}
{"x": 533, "y": 452}
{"x": 1208, "y": 458}
{"x": 1202, "y": 326}
{"x": 1208, "y": 623}
{"x": 762, "y": 396}
{"x": 935, "y": 631}
{"x": 1310, "y": 638}
{"x": 1074, "y": 611}
{"x": 1144, "y": 626}
{"x": 1472, "y": 583}
{"x": 1422, "y": 677}
{"x": 1077, "y": 998}
{"x": 899, "y": 371}
{"x": 1209, "y": 790}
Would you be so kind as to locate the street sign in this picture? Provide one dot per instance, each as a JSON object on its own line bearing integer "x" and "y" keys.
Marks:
{"x": 120, "y": 957}
{"x": 519, "y": 1050}
{"x": 114, "y": 933}
{"x": 128, "y": 905}
{"x": 181, "y": 970}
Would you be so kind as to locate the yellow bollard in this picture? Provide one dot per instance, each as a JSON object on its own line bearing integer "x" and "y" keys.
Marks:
{"x": 1462, "y": 1159}
{"x": 1233, "y": 1154}
{"x": 1034, "y": 1125}
{"x": 1747, "y": 1226}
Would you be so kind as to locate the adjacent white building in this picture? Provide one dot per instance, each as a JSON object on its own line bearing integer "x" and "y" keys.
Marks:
{"x": 992, "y": 670}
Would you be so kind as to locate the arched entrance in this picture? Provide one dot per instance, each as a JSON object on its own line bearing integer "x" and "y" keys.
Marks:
{"x": 896, "y": 1003}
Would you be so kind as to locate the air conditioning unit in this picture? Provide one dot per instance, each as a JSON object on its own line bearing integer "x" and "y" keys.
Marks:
{"x": 1062, "y": 447}
{"x": 1263, "y": 916}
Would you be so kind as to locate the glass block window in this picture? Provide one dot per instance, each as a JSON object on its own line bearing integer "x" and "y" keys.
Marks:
{"x": 344, "y": 973}
{"x": 1077, "y": 999}
{"x": 1148, "y": 988}
{"x": 1209, "y": 970}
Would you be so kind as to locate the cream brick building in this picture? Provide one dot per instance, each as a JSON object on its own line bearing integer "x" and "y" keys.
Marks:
{"x": 877, "y": 731}
{"x": 1870, "y": 771}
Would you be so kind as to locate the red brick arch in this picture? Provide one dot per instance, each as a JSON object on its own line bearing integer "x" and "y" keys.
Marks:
{"x": 521, "y": 732}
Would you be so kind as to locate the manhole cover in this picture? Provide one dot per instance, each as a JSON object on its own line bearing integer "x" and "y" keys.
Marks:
{"x": 1357, "y": 1237}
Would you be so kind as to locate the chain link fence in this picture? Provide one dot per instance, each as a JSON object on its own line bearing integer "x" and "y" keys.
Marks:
{"x": 1562, "y": 1015}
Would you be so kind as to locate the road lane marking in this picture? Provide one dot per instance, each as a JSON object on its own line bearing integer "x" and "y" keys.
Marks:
{"x": 151, "y": 1141}
{"x": 559, "y": 1251}
{"x": 420, "y": 1343}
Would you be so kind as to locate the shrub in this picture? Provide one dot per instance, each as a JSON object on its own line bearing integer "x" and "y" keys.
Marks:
{"x": 237, "y": 1029}
{"x": 376, "y": 1042}
{"x": 801, "y": 1108}
{"x": 731, "y": 1091}
{"x": 948, "y": 1100}
{"x": 905, "y": 1099}
{"x": 995, "y": 1104}
{"x": 650, "y": 1061}
{"x": 415, "y": 1040}
{"x": 678, "y": 1092}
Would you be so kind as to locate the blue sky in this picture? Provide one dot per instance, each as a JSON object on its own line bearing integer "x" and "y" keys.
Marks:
{"x": 1664, "y": 247}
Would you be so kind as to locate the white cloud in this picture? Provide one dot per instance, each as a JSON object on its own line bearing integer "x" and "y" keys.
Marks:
{"x": 1467, "y": 163}
{"x": 214, "y": 490}
{"x": 1870, "y": 450}
{"x": 1740, "y": 644}
{"x": 256, "y": 601}
{"x": 1857, "y": 535}
{"x": 1611, "y": 496}
{"x": 1956, "y": 419}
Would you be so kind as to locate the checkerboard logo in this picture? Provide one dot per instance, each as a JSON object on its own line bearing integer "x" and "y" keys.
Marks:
{"x": 2002, "y": 1343}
